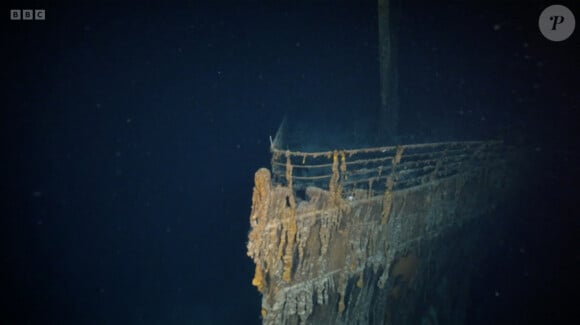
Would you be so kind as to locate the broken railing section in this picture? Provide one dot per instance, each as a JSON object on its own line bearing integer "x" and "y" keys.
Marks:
{"x": 388, "y": 196}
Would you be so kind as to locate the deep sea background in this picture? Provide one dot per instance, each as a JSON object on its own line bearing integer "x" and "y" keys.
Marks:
{"x": 130, "y": 134}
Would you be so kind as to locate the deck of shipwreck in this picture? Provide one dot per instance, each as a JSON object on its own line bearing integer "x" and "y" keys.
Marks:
{"x": 374, "y": 235}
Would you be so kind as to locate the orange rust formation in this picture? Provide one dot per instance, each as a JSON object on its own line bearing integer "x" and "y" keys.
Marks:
{"x": 338, "y": 239}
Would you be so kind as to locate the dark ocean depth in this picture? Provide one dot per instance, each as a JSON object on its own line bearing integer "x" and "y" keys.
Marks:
{"x": 131, "y": 133}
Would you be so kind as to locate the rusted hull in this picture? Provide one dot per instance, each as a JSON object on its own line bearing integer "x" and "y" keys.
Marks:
{"x": 367, "y": 256}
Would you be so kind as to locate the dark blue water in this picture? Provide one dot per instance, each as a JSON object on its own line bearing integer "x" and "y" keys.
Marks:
{"x": 130, "y": 135}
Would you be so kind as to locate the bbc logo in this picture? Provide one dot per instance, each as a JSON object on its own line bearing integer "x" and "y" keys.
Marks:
{"x": 27, "y": 14}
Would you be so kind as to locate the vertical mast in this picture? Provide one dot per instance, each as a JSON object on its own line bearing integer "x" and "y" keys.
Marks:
{"x": 389, "y": 107}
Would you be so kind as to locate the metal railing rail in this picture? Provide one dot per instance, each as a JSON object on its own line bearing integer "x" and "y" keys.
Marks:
{"x": 377, "y": 170}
